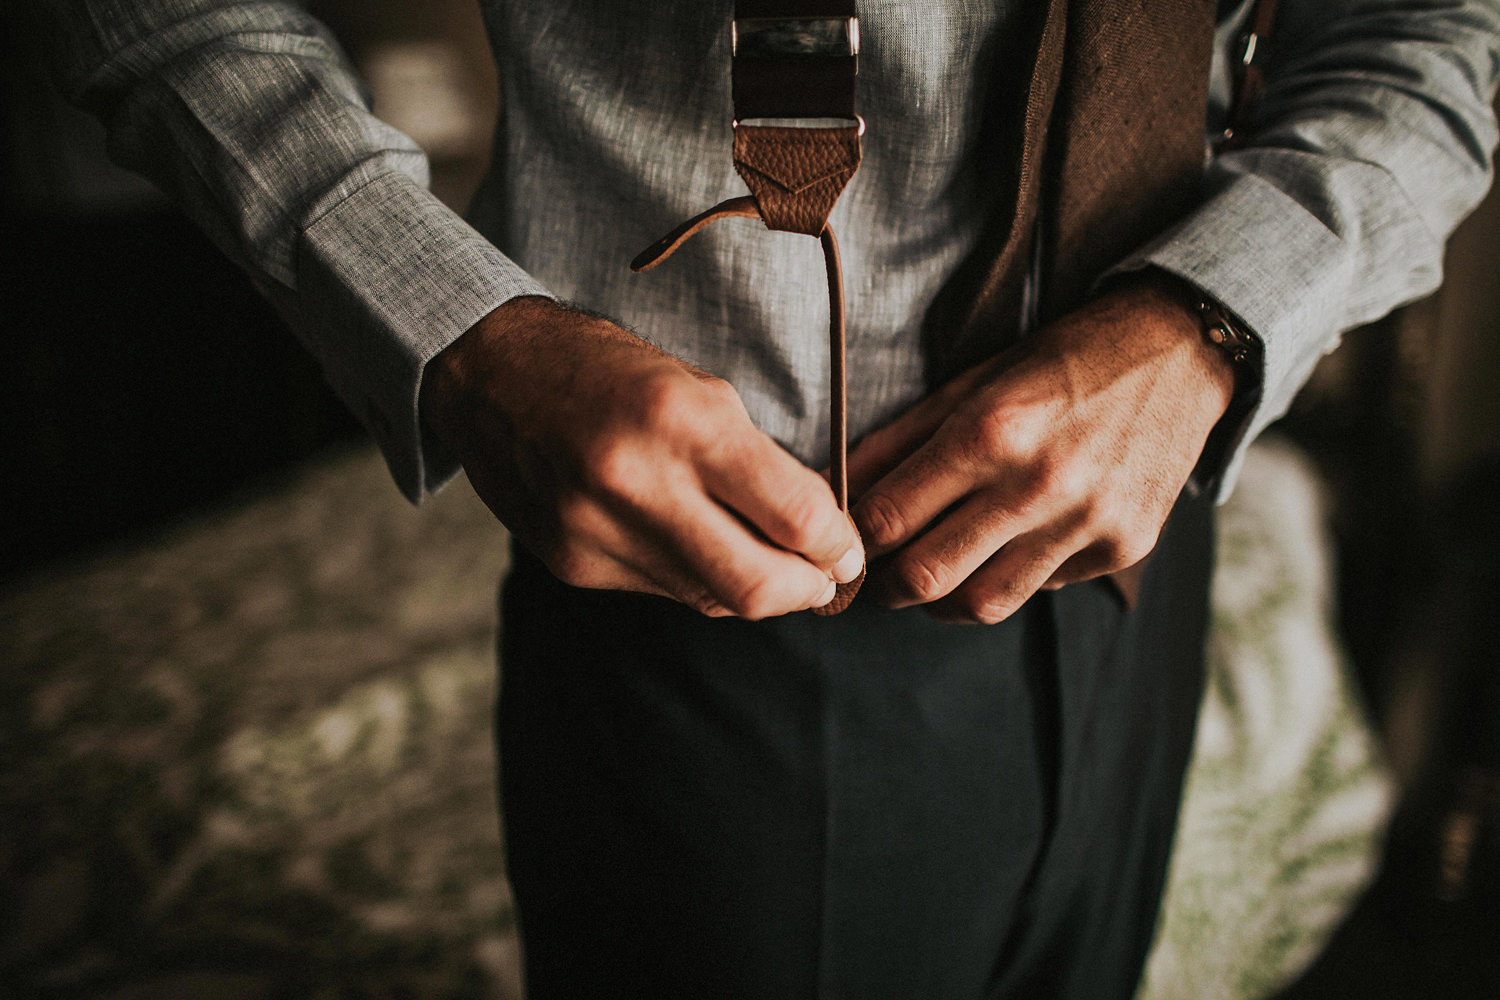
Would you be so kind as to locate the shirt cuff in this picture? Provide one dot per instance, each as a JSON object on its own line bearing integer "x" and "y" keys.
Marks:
{"x": 1273, "y": 264}
{"x": 386, "y": 279}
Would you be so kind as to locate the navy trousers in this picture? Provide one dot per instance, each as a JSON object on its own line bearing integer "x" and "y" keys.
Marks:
{"x": 868, "y": 806}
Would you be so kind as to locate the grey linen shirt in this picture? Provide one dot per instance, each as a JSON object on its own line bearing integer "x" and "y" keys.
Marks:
{"x": 1372, "y": 139}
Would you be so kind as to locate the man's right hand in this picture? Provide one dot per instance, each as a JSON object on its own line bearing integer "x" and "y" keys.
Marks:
{"x": 624, "y": 468}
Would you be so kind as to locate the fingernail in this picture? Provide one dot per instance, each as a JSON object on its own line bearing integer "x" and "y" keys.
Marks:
{"x": 849, "y": 564}
{"x": 827, "y": 595}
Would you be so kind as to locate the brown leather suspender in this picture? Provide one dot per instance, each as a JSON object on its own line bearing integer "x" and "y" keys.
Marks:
{"x": 1249, "y": 75}
{"x": 796, "y": 145}
{"x": 1123, "y": 144}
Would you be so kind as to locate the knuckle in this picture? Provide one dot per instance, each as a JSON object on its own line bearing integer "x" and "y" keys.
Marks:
{"x": 999, "y": 600}
{"x": 720, "y": 390}
{"x": 614, "y": 466}
{"x": 751, "y": 598}
{"x": 975, "y": 440}
{"x": 802, "y": 514}
{"x": 1118, "y": 538}
{"x": 919, "y": 580}
{"x": 1124, "y": 550}
{"x": 991, "y": 434}
{"x": 1007, "y": 434}
{"x": 1094, "y": 517}
{"x": 669, "y": 404}
{"x": 881, "y": 520}
{"x": 1063, "y": 477}
{"x": 993, "y": 609}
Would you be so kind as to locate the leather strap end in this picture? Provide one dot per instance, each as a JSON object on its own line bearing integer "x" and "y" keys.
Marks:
{"x": 742, "y": 207}
{"x": 842, "y": 598}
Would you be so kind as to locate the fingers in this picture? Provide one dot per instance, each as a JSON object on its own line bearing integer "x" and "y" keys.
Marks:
{"x": 1083, "y": 565}
{"x": 1006, "y": 581}
{"x": 704, "y": 506}
{"x": 668, "y": 536}
{"x": 695, "y": 433}
{"x": 936, "y": 563}
{"x": 932, "y": 479}
{"x": 1046, "y": 555}
{"x": 740, "y": 572}
{"x": 1118, "y": 558}
{"x": 692, "y": 549}
{"x": 880, "y": 451}
{"x": 791, "y": 505}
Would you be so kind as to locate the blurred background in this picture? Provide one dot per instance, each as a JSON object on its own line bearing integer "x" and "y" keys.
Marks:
{"x": 244, "y": 689}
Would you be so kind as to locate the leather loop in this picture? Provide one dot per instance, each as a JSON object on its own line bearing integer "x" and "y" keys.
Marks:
{"x": 742, "y": 207}
{"x": 796, "y": 174}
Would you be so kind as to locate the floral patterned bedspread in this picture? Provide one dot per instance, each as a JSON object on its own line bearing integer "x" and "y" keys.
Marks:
{"x": 250, "y": 757}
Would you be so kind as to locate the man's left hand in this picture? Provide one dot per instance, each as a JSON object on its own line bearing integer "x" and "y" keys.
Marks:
{"x": 1055, "y": 462}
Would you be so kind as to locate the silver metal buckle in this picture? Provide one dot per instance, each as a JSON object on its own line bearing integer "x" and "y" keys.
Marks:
{"x": 856, "y": 121}
{"x": 1251, "y": 44}
{"x": 771, "y": 37}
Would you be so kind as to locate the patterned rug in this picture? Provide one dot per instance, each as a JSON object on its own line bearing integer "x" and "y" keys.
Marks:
{"x": 251, "y": 757}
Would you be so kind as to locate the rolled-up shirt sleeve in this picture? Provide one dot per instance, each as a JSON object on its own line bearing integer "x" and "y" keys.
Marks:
{"x": 1372, "y": 139}
{"x": 250, "y": 118}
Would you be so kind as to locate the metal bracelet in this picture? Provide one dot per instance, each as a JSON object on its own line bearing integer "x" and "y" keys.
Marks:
{"x": 1224, "y": 331}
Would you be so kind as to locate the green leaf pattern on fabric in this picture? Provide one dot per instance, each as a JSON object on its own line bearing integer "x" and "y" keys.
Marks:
{"x": 1286, "y": 796}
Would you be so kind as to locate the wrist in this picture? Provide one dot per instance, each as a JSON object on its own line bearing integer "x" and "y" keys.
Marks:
{"x": 1169, "y": 321}
{"x": 1219, "y": 327}
{"x": 1230, "y": 354}
{"x": 458, "y": 369}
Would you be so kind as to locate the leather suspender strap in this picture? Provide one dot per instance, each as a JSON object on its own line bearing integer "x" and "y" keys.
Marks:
{"x": 796, "y": 145}
{"x": 794, "y": 58}
{"x": 1250, "y": 74}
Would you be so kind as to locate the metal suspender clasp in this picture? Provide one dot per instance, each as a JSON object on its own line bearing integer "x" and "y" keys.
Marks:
{"x": 778, "y": 37}
{"x": 809, "y": 123}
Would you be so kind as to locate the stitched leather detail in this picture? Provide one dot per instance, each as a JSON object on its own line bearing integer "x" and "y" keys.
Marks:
{"x": 796, "y": 174}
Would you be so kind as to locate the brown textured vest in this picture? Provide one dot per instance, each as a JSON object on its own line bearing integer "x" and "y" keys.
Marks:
{"x": 1104, "y": 147}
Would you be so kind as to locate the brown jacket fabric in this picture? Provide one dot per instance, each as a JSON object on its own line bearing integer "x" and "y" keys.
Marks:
{"x": 1103, "y": 148}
